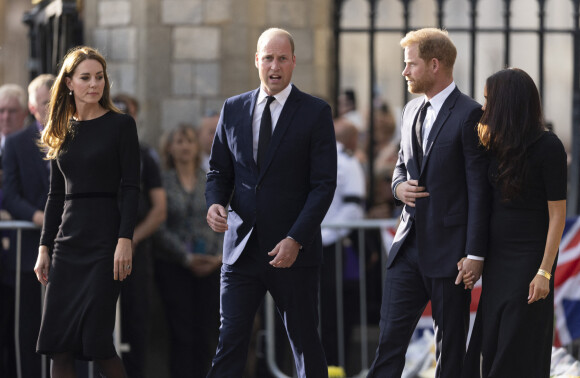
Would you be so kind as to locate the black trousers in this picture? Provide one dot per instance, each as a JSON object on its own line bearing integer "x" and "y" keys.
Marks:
{"x": 405, "y": 295}
{"x": 7, "y": 355}
{"x": 192, "y": 313}
{"x": 328, "y": 309}
{"x": 135, "y": 294}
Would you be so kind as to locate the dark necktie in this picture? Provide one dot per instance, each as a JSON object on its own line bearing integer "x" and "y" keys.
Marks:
{"x": 265, "y": 131}
{"x": 419, "y": 131}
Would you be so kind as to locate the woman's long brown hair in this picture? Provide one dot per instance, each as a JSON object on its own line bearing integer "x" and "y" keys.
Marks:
{"x": 62, "y": 106}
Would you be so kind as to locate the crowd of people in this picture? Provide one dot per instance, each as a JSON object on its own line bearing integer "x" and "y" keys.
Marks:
{"x": 227, "y": 210}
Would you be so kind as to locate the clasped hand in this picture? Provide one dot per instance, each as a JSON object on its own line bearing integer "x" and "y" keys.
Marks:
{"x": 469, "y": 272}
{"x": 203, "y": 265}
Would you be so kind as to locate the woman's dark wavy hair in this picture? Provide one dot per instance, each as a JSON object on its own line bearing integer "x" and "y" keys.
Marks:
{"x": 511, "y": 122}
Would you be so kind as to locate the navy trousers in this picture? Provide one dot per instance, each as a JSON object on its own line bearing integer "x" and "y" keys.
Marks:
{"x": 295, "y": 292}
{"x": 405, "y": 295}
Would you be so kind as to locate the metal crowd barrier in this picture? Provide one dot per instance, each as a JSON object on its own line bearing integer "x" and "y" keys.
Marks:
{"x": 18, "y": 226}
{"x": 270, "y": 323}
{"x": 361, "y": 226}
{"x": 270, "y": 341}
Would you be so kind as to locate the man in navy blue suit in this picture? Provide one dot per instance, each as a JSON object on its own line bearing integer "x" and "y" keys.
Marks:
{"x": 441, "y": 178}
{"x": 273, "y": 166}
{"x": 26, "y": 184}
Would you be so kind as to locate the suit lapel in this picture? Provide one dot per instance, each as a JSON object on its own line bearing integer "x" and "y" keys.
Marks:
{"x": 414, "y": 114}
{"x": 247, "y": 132}
{"x": 442, "y": 117}
{"x": 290, "y": 107}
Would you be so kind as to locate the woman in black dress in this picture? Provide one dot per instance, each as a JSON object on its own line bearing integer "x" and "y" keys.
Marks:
{"x": 85, "y": 247}
{"x": 514, "y": 324}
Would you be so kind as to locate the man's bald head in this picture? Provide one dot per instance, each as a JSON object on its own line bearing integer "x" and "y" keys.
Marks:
{"x": 206, "y": 132}
{"x": 346, "y": 133}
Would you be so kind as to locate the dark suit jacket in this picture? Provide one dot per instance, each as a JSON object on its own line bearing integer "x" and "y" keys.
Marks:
{"x": 453, "y": 221}
{"x": 291, "y": 193}
{"x": 26, "y": 184}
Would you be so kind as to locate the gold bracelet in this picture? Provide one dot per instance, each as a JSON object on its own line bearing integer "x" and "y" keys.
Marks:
{"x": 542, "y": 272}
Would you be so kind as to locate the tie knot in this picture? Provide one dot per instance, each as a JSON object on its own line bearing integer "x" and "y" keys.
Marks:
{"x": 426, "y": 105}
{"x": 269, "y": 100}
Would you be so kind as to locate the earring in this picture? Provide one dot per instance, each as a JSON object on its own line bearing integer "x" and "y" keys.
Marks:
{"x": 70, "y": 93}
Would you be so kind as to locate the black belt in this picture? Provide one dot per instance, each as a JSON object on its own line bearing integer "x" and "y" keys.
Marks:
{"x": 90, "y": 195}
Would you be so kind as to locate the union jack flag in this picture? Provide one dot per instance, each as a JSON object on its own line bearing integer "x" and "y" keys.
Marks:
{"x": 567, "y": 285}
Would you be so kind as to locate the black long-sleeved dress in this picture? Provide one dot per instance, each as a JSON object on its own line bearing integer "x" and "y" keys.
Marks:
{"x": 83, "y": 220}
{"x": 514, "y": 338}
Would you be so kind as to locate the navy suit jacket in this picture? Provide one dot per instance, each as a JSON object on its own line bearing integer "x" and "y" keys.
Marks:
{"x": 453, "y": 221}
{"x": 25, "y": 188}
{"x": 291, "y": 193}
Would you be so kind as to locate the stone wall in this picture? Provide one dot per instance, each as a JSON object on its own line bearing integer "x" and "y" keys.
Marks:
{"x": 14, "y": 43}
{"x": 183, "y": 58}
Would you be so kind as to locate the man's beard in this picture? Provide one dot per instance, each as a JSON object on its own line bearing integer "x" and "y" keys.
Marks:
{"x": 419, "y": 86}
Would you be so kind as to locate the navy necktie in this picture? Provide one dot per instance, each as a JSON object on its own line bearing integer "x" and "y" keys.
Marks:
{"x": 419, "y": 131}
{"x": 265, "y": 131}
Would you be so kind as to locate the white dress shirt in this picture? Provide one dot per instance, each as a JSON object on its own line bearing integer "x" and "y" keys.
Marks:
{"x": 432, "y": 111}
{"x": 275, "y": 109}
